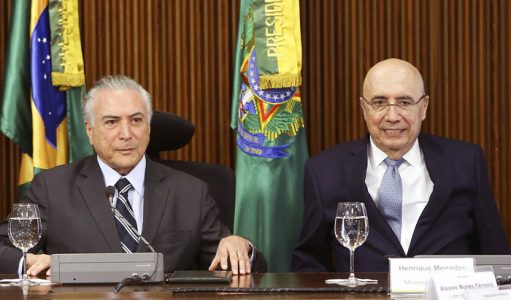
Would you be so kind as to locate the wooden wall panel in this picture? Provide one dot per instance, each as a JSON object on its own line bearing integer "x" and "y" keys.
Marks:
{"x": 498, "y": 100}
{"x": 9, "y": 152}
{"x": 182, "y": 51}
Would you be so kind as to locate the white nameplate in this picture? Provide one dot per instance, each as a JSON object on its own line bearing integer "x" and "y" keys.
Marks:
{"x": 445, "y": 286}
{"x": 411, "y": 275}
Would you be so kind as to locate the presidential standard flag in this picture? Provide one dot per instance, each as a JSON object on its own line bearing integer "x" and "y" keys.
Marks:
{"x": 41, "y": 116}
{"x": 268, "y": 119}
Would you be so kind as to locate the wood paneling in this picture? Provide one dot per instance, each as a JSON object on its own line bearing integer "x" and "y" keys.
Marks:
{"x": 182, "y": 51}
{"x": 9, "y": 152}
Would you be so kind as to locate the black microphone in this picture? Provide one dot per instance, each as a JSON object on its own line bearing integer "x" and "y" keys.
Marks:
{"x": 110, "y": 192}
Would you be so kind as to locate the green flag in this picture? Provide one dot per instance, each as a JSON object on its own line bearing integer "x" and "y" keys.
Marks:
{"x": 68, "y": 71}
{"x": 44, "y": 118}
{"x": 79, "y": 145}
{"x": 268, "y": 119}
{"x": 15, "y": 118}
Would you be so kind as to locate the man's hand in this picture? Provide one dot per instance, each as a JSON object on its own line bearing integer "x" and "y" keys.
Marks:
{"x": 235, "y": 250}
{"x": 37, "y": 263}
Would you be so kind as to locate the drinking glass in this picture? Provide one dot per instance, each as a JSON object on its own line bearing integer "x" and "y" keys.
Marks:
{"x": 351, "y": 230}
{"x": 24, "y": 232}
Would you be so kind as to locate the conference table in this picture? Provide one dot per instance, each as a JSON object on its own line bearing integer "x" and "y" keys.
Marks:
{"x": 253, "y": 286}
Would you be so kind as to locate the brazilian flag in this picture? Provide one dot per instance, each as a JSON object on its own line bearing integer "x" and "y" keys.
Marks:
{"x": 43, "y": 86}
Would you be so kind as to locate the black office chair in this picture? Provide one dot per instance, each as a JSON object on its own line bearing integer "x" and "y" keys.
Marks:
{"x": 171, "y": 132}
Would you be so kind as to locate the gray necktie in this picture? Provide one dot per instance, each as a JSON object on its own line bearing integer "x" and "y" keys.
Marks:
{"x": 391, "y": 195}
{"x": 129, "y": 239}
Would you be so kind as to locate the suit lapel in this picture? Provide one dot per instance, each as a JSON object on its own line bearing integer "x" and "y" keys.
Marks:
{"x": 155, "y": 197}
{"x": 378, "y": 226}
{"x": 91, "y": 187}
{"x": 440, "y": 173}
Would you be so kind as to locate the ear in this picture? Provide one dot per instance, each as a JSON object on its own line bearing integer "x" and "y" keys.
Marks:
{"x": 88, "y": 129}
{"x": 425, "y": 107}
{"x": 364, "y": 108}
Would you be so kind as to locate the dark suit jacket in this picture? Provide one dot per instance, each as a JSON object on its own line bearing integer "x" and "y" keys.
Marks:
{"x": 180, "y": 217}
{"x": 460, "y": 217}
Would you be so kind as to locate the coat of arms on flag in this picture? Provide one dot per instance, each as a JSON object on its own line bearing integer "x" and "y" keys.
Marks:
{"x": 269, "y": 118}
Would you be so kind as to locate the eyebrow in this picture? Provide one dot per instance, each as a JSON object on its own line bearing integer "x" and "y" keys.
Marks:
{"x": 137, "y": 114}
{"x": 405, "y": 98}
{"x": 386, "y": 98}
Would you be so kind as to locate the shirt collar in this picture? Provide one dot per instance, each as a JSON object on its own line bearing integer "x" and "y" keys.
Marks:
{"x": 136, "y": 177}
{"x": 377, "y": 156}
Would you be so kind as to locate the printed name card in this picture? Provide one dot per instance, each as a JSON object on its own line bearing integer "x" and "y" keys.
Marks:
{"x": 445, "y": 286}
{"x": 411, "y": 275}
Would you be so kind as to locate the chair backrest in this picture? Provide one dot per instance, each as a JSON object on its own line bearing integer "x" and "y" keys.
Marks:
{"x": 171, "y": 132}
{"x": 168, "y": 132}
{"x": 221, "y": 182}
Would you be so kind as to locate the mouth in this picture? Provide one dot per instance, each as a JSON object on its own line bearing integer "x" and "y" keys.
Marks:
{"x": 393, "y": 131}
{"x": 125, "y": 151}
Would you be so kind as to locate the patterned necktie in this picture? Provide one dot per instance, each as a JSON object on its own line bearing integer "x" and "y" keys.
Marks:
{"x": 391, "y": 195}
{"x": 129, "y": 239}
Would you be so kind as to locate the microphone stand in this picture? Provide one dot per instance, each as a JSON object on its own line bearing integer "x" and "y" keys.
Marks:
{"x": 118, "y": 214}
{"x": 134, "y": 279}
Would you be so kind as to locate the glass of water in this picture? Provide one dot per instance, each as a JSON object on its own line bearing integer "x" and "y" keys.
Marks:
{"x": 351, "y": 230}
{"x": 24, "y": 232}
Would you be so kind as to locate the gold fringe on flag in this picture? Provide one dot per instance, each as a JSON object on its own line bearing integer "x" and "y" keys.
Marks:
{"x": 66, "y": 48}
{"x": 280, "y": 80}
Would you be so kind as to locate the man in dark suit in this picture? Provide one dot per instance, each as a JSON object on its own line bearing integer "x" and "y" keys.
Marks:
{"x": 441, "y": 202}
{"x": 171, "y": 209}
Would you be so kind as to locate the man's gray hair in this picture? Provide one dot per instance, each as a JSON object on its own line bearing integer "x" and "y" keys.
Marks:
{"x": 114, "y": 82}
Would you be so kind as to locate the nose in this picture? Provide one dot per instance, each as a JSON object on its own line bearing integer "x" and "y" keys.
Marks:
{"x": 392, "y": 113}
{"x": 125, "y": 130}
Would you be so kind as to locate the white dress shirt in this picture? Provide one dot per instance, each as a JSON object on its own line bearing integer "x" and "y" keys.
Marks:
{"x": 136, "y": 194}
{"x": 417, "y": 185}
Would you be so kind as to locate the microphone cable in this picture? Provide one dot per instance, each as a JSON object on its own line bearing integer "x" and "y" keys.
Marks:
{"x": 135, "y": 278}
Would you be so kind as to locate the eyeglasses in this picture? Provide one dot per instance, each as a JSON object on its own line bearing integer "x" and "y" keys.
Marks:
{"x": 379, "y": 105}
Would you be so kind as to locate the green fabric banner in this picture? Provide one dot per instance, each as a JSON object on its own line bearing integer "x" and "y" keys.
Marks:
{"x": 271, "y": 140}
{"x": 15, "y": 114}
{"x": 79, "y": 145}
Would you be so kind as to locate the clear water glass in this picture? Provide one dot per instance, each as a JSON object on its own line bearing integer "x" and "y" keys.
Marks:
{"x": 24, "y": 231}
{"x": 351, "y": 230}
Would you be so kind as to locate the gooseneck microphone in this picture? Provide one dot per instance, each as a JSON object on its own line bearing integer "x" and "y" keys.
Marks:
{"x": 110, "y": 192}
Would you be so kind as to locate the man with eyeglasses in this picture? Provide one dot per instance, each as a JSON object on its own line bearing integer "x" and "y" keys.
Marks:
{"x": 423, "y": 194}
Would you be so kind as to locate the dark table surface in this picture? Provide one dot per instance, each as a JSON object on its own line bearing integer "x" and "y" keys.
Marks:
{"x": 255, "y": 286}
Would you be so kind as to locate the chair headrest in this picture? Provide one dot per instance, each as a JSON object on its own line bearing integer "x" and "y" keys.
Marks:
{"x": 168, "y": 132}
